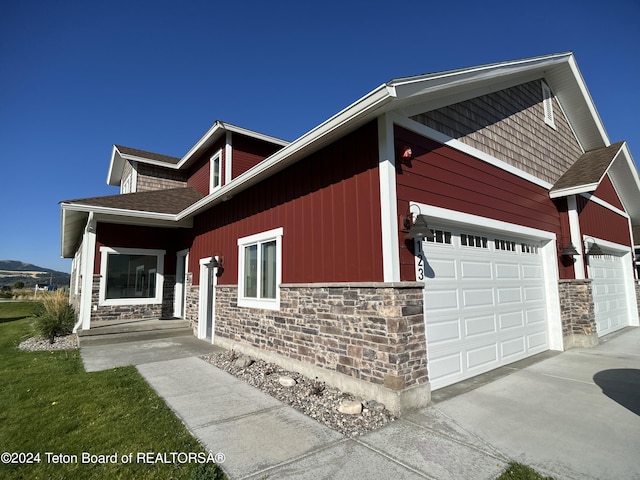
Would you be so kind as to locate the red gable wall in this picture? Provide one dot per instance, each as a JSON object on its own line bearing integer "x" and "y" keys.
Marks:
{"x": 328, "y": 205}
{"x": 444, "y": 177}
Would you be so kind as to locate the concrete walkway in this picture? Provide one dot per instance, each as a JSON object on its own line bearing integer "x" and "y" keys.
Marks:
{"x": 575, "y": 415}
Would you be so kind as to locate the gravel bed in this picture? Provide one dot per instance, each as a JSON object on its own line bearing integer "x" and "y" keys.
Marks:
{"x": 35, "y": 344}
{"x": 311, "y": 397}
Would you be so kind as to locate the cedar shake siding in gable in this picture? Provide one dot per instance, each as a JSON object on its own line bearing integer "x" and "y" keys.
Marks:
{"x": 441, "y": 176}
{"x": 328, "y": 205}
{"x": 509, "y": 125}
{"x": 151, "y": 177}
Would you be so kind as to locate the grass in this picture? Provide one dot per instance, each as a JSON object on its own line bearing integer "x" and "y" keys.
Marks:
{"x": 517, "y": 471}
{"x": 48, "y": 403}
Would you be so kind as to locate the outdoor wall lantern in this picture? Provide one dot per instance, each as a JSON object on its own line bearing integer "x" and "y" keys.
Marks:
{"x": 216, "y": 262}
{"x": 417, "y": 228}
{"x": 568, "y": 251}
{"x": 594, "y": 249}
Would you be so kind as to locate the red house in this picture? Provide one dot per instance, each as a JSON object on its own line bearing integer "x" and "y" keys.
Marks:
{"x": 439, "y": 227}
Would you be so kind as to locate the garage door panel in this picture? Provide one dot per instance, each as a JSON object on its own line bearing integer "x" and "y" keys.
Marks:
{"x": 532, "y": 272}
{"x": 475, "y": 270}
{"x": 442, "y": 268}
{"x": 443, "y": 331}
{"x": 481, "y": 357}
{"x": 484, "y": 305}
{"x": 512, "y": 347}
{"x": 511, "y": 320}
{"x": 441, "y": 299}
{"x": 537, "y": 342}
{"x": 534, "y": 294}
{"x": 477, "y": 297}
{"x": 481, "y": 325}
{"x": 509, "y": 295}
{"x": 508, "y": 271}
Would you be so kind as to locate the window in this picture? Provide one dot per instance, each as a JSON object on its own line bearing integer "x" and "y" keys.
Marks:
{"x": 440, "y": 236}
{"x": 131, "y": 276}
{"x": 528, "y": 248}
{"x": 637, "y": 252}
{"x": 473, "y": 241}
{"x": 216, "y": 171}
{"x": 260, "y": 270}
{"x": 547, "y": 102}
{"x": 505, "y": 245}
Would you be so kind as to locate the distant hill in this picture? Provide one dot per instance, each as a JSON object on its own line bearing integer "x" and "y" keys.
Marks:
{"x": 12, "y": 271}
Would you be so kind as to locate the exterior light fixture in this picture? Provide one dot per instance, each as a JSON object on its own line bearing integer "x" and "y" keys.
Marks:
{"x": 417, "y": 228}
{"x": 594, "y": 249}
{"x": 568, "y": 251}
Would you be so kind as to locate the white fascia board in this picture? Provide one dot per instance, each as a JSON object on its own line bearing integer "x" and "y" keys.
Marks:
{"x": 216, "y": 131}
{"x": 131, "y": 217}
{"x": 591, "y": 106}
{"x": 577, "y": 190}
{"x": 113, "y": 168}
{"x": 365, "y": 109}
{"x": 435, "y": 81}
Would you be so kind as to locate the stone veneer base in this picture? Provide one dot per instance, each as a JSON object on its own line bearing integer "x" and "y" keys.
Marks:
{"x": 397, "y": 402}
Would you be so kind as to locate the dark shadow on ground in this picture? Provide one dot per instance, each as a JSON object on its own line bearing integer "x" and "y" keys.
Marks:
{"x": 621, "y": 385}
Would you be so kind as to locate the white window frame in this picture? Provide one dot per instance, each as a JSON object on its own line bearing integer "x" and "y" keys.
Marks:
{"x": 212, "y": 163}
{"x": 547, "y": 102}
{"x": 104, "y": 258}
{"x": 258, "y": 239}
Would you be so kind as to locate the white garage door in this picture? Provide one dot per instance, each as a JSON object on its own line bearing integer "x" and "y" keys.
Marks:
{"x": 484, "y": 303}
{"x": 609, "y": 293}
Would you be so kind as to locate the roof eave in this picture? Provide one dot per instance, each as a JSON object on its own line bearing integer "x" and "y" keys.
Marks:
{"x": 356, "y": 114}
{"x": 575, "y": 190}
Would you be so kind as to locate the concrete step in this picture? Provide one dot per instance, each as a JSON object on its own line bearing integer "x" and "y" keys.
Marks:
{"x": 133, "y": 331}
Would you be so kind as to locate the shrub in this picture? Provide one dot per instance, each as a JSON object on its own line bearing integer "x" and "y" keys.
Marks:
{"x": 56, "y": 317}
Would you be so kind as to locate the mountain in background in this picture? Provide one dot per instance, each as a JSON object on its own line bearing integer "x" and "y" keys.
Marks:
{"x": 12, "y": 271}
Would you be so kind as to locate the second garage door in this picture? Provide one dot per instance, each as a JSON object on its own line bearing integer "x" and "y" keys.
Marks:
{"x": 609, "y": 293}
{"x": 484, "y": 302}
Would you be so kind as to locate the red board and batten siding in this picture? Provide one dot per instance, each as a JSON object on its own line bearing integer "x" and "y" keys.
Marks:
{"x": 600, "y": 222}
{"x": 607, "y": 192}
{"x": 248, "y": 152}
{"x": 328, "y": 205}
{"x": 441, "y": 176}
{"x": 133, "y": 236}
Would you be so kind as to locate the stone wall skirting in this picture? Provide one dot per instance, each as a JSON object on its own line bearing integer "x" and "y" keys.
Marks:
{"x": 638, "y": 295}
{"x": 101, "y": 313}
{"x": 577, "y": 313}
{"x": 366, "y": 338}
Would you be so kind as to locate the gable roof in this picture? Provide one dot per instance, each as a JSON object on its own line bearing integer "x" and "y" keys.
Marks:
{"x": 409, "y": 96}
{"x": 121, "y": 154}
{"x": 587, "y": 172}
{"x": 585, "y": 175}
{"x": 169, "y": 201}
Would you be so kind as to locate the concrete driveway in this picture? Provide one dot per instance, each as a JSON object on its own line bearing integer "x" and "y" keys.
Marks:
{"x": 573, "y": 416}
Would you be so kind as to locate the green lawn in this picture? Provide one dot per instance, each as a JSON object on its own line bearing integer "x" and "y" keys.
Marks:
{"x": 49, "y": 405}
{"x": 516, "y": 471}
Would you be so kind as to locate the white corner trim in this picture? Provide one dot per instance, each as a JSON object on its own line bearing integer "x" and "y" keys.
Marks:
{"x": 228, "y": 158}
{"x": 388, "y": 201}
{"x": 428, "y": 132}
{"x": 575, "y": 235}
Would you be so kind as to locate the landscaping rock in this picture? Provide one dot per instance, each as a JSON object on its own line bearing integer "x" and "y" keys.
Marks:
{"x": 309, "y": 396}
{"x": 243, "y": 362}
{"x": 350, "y": 407}
{"x": 286, "y": 381}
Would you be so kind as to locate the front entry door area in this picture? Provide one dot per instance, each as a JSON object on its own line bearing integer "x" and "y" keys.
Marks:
{"x": 207, "y": 302}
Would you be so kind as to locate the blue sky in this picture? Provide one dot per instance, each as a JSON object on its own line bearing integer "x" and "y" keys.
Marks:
{"x": 77, "y": 77}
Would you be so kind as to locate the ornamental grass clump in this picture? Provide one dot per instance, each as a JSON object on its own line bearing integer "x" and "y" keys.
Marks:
{"x": 56, "y": 318}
